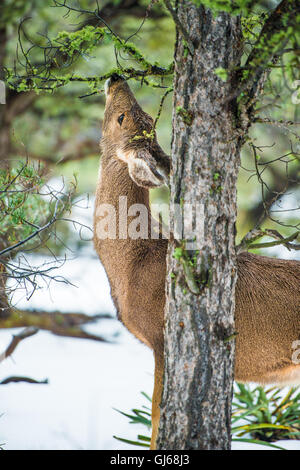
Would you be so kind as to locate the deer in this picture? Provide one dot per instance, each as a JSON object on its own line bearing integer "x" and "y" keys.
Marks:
{"x": 267, "y": 295}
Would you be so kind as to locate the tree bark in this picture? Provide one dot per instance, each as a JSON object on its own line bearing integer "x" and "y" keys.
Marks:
{"x": 199, "y": 317}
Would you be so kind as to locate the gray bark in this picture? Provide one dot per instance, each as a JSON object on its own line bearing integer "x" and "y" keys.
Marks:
{"x": 199, "y": 317}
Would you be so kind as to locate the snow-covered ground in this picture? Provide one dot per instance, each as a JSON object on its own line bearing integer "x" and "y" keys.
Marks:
{"x": 87, "y": 379}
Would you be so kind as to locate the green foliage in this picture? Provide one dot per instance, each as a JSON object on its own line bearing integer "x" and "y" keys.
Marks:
{"x": 178, "y": 253}
{"x": 21, "y": 207}
{"x": 259, "y": 416}
{"x": 89, "y": 37}
{"x": 145, "y": 136}
{"x": 251, "y": 25}
{"x": 139, "y": 417}
{"x": 221, "y": 73}
{"x": 270, "y": 44}
{"x": 238, "y": 7}
{"x": 269, "y": 416}
{"x": 67, "y": 47}
{"x": 185, "y": 115}
{"x": 79, "y": 42}
{"x": 30, "y": 208}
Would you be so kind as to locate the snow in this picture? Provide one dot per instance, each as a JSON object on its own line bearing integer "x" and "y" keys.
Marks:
{"x": 86, "y": 381}
{"x": 285, "y": 444}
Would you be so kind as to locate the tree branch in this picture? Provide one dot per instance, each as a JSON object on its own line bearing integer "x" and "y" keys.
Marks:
{"x": 70, "y": 151}
{"x": 255, "y": 234}
{"x": 17, "y": 379}
{"x": 60, "y": 324}
{"x": 16, "y": 339}
{"x": 271, "y": 42}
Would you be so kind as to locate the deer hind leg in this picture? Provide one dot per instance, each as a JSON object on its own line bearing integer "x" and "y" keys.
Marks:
{"x": 156, "y": 398}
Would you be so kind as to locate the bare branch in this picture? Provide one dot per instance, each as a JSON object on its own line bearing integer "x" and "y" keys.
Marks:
{"x": 60, "y": 324}
{"x": 255, "y": 234}
{"x": 272, "y": 192}
{"x": 279, "y": 123}
{"x": 34, "y": 234}
{"x": 16, "y": 339}
{"x": 17, "y": 379}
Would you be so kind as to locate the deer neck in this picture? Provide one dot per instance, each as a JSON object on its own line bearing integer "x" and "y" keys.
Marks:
{"x": 114, "y": 183}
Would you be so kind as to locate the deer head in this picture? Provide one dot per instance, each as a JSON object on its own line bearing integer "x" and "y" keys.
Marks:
{"x": 128, "y": 135}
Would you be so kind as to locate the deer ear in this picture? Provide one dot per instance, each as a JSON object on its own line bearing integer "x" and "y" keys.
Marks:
{"x": 143, "y": 170}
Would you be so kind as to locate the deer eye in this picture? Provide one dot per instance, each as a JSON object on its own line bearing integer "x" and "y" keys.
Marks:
{"x": 120, "y": 119}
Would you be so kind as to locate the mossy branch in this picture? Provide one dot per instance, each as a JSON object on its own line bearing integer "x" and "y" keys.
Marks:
{"x": 276, "y": 32}
{"x": 61, "y": 324}
{"x": 66, "y": 48}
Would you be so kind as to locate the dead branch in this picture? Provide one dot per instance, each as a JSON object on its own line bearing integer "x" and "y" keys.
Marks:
{"x": 270, "y": 194}
{"x": 79, "y": 151}
{"x": 60, "y": 324}
{"x": 255, "y": 234}
{"x": 18, "y": 379}
{"x": 16, "y": 339}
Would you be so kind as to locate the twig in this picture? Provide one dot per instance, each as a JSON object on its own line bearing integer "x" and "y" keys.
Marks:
{"x": 60, "y": 324}
{"x": 16, "y": 339}
{"x": 255, "y": 234}
{"x": 169, "y": 90}
{"x": 279, "y": 122}
{"x": 34, "y": 234}
{"x": 257, "y": 63}
{"x": 17, "y": 379}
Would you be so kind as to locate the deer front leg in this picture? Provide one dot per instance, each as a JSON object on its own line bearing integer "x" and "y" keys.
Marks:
{"x": 156, "y": 398}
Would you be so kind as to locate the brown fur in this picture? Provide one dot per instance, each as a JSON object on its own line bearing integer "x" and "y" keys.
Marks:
{"x": 267, "y": 292}
{"x": 267, "y": 317}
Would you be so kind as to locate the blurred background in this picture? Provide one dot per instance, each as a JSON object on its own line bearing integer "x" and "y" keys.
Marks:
{"x": 49, "y": 152}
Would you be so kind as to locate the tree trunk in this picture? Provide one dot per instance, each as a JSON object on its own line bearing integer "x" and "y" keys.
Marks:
{"x": 199, "y": 330}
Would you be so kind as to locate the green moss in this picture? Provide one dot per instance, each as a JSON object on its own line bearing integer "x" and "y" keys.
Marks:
{"x": 230, "y": 338}
{"x": 185, "y": 115}
{"x": 145, "y": 135}
{"x": 194, "y": 280}
{"x": 70, "y": 46}
{"x": 238, "y": 7}
{"x": 221, "y": 73}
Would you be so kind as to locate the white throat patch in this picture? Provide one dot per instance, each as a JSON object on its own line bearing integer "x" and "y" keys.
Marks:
{"x": 138, "y": 168}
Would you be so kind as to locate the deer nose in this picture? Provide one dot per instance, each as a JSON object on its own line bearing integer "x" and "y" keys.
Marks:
{"x": 115, "y": 77}
{"x": 112, "y": 80}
